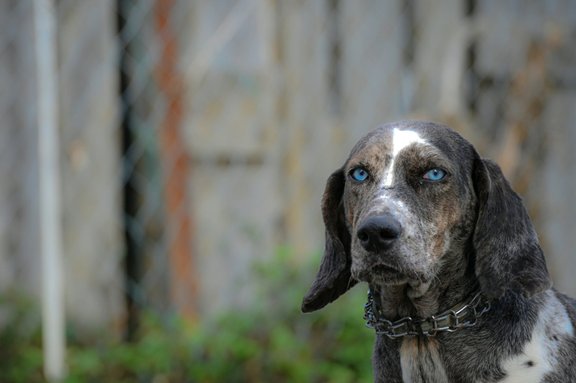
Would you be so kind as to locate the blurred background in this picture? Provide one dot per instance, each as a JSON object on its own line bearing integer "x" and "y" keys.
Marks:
{"x": 195, "y": 138}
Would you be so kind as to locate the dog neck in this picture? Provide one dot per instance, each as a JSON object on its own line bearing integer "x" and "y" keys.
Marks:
{"x": 424, "y": 299}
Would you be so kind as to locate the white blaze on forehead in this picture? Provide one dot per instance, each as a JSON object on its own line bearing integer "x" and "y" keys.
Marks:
{"x": 401, "y": 139}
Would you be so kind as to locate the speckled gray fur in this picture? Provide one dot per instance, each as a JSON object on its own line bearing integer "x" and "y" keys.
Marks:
{"x": 465, "y": 232}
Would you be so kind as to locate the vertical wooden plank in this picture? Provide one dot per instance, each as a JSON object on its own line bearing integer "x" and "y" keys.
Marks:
{"x": 19, "y": 266}
{"x": 556, "y": 188}
{"x": 90, "y": 160}
{"x": 305, "y": 140}
{"x": 440, "y": 57}
{"x": 373, "y": 72}
{"x": 175, "y": 163}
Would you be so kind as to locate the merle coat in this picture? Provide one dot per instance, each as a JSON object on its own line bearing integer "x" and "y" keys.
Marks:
{"x": 417, "y": 214}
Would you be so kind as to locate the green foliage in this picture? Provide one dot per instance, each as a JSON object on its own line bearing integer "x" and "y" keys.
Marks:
{"x": 270, "y": 341}
{"x": 20, "y": 353}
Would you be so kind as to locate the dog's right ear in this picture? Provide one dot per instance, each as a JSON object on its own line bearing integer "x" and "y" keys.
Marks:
{"x": 508, "y": 255}
{"x": 333, "y": 278}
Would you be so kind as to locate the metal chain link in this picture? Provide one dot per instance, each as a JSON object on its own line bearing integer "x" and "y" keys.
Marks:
{"x": 448, "y": 321}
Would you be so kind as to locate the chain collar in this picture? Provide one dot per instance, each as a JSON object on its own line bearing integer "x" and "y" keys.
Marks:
{"x": 458, "y": 317}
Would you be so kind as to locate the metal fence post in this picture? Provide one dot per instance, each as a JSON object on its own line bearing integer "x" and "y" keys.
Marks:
{"x": 49, "y": 191}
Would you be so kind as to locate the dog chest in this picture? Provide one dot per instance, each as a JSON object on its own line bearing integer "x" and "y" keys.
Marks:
{"x": 420, "y": 361}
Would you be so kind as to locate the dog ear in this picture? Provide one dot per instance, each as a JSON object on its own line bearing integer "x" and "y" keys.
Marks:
{"x": 508, "y": 255}
{"x": 333, "y": 278}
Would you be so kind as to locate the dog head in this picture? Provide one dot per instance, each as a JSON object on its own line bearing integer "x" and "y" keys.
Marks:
{"x": 413, "y": 195}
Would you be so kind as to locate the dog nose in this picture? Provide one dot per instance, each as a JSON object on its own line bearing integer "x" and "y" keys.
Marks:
{"x": 379, "y": 232}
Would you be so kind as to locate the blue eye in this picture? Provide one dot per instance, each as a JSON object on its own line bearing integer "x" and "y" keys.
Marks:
{"x": 359, "y": 174}
{"x": 434, "y": 175}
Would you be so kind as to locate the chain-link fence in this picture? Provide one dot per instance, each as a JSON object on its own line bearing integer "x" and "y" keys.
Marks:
{"x": 196, "y": 136}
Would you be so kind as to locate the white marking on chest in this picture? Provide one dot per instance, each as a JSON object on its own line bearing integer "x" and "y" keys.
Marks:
{"x": 401, "y": 139}
{"x": 420, "y": 361}
{"x": 539, "y": 356}
{"x": 531, "y": 364}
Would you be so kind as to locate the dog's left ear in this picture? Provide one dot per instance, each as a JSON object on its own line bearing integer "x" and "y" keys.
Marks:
{"x": 334, "y": 277}
{"x": 508, "y": 255}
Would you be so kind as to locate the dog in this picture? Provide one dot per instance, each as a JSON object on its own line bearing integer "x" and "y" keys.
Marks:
{"x": 458, "y": 285}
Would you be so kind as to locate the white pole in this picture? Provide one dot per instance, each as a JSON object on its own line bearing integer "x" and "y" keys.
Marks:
{"x": 49, "y": 191}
